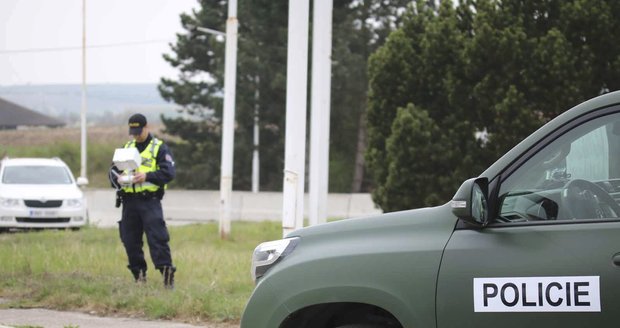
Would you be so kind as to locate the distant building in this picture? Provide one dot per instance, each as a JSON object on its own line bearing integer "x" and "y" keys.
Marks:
{"x": 13, "y": 116}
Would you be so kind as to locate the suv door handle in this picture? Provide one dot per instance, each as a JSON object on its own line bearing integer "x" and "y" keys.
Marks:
{"x": 616, "y": 259}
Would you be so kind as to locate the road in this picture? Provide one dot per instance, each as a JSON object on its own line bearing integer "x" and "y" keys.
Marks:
{"x": 199, "y": 206}
{"x": 61, "y": 319}
{"x": 64, "y": 319}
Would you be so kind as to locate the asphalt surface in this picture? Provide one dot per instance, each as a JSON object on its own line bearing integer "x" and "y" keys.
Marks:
{"x": 65, "y": 319}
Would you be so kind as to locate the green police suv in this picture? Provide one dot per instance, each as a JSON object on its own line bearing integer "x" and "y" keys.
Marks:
{"x": 534, "y": 241}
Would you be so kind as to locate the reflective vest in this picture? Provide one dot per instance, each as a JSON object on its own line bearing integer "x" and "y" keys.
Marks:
{"x": 149, "y": 164}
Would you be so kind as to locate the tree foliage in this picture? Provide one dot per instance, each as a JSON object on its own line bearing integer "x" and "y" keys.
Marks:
{"x": 487, "y": 73}
{"x": 408, "y": 179}
{"x": 359, "y": 28}
{"x": 261, "y": 73}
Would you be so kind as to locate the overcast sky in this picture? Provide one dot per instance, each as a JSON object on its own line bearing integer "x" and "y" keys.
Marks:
{"x": 128, "y": 39}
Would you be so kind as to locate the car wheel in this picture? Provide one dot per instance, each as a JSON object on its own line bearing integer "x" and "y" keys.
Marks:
{"x": 360, "y": 326}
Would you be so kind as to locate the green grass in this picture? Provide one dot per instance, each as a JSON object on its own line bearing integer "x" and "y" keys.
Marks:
{"x": 85, "y": 271}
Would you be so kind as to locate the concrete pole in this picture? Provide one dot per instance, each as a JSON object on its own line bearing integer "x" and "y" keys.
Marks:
{"x": 295, "y": 143}
{"x": 83, "y": 109}
{"x": 228, "y": 122}
{"x": 255, "y": 153}
{"x": 320, "y": 114}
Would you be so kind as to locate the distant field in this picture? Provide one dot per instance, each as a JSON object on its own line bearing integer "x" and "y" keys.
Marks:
{"x": 44, "y": 137}
{"x": 65, "y": 143}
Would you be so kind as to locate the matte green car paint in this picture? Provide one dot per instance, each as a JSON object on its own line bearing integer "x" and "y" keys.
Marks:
{"x": 393, "y": 261}
{"x": 584, "y": 249}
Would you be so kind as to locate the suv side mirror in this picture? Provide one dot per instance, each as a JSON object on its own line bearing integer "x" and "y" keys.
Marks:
{"x": 81, "y": 181}
{"x": 470, "y": 201}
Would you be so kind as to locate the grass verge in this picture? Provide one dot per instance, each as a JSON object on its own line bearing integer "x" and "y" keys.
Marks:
{"x": 85, "y": 271}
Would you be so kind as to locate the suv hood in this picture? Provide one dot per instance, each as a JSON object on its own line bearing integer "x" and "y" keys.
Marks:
{"x": 40, "y": 191}
{"x": 410, "y": 219}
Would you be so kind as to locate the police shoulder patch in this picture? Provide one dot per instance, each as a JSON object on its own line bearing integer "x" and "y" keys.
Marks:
{"x": 169, "y": 159}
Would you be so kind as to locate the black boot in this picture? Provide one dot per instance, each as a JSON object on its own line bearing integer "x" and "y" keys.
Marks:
{"x": 139, "y": 275}
{"x": 168, "y": 273}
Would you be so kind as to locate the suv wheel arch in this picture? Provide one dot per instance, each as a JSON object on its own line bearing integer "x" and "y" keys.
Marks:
{"x": 341, "y": 315}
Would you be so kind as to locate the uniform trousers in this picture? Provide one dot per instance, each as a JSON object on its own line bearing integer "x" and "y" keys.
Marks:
{"x": 144, "y": 215}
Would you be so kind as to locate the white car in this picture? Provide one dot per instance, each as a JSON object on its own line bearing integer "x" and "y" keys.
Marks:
{"x": 40, "y": 193}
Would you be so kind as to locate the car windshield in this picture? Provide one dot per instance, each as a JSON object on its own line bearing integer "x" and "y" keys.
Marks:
{"x": 36, "y": 174}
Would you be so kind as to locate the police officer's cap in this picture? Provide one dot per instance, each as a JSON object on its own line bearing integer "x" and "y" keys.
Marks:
{"x": 136, "y": 123}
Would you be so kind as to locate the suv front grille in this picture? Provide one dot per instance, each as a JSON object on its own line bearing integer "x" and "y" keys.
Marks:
{"x": 46, "y": 204}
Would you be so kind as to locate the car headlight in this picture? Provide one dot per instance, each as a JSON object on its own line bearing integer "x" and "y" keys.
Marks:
{"x": 269, "y": 253}
{"x": 9, "y": 202}
{"x": 74, "y": 202}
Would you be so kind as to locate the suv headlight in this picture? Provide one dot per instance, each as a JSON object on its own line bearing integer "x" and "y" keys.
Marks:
{"x": 74, "y": 202}
{"x": 269, "y": 253}
{"x": 9, "y": 202}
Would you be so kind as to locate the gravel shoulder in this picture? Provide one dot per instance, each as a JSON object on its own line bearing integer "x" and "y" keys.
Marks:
{"x": 64, "y": 319}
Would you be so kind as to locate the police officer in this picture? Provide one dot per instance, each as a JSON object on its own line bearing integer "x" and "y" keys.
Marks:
{"x": 142, "y": 211}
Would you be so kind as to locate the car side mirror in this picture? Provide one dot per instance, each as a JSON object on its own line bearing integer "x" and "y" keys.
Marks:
{"x": 81, "y": 181}
{"x": 470, "y": 201}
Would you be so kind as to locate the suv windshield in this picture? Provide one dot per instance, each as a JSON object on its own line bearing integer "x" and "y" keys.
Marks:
{"x": 36, "y": 175}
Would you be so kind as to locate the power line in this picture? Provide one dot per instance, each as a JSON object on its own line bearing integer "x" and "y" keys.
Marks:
{"x": 95, "y": 46}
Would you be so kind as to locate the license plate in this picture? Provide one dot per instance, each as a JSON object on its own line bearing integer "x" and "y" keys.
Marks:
{"x": 42, "y": 213}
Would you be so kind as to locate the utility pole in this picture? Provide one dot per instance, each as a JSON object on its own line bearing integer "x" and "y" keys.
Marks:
{"x": 255, "y": 152}
{"x": 295, "y": 142}
{"x": 83, "y": 109}
{"x": 228, "y": 121}
{"x": 320, "y": 113}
